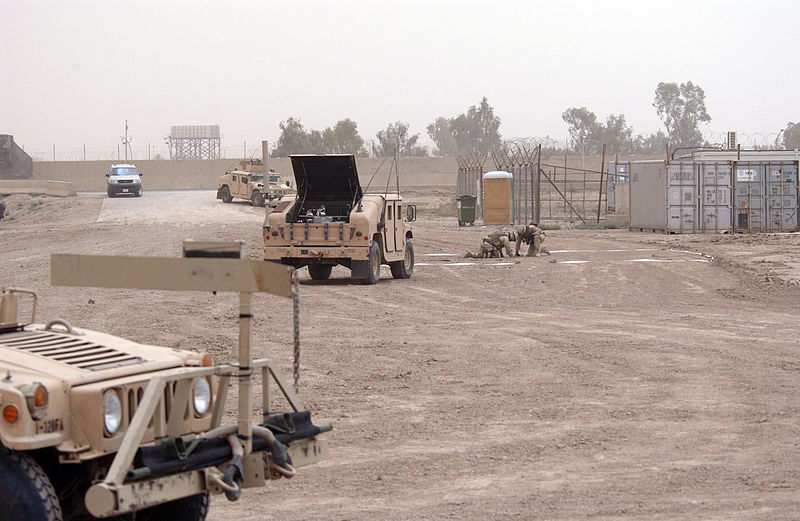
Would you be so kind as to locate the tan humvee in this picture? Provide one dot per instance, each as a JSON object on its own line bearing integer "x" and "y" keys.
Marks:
{"x": 98, "y": 426}
{"x": 331, "y": 221}
{"x": 247, "y": 182}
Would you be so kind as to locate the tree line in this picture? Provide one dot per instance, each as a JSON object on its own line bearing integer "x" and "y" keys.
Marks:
{"x": 681, "y": 108}
{"x": 477, "y": 129}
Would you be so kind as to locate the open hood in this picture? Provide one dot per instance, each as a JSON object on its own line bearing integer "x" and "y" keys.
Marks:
{"x": 323, "y": 178}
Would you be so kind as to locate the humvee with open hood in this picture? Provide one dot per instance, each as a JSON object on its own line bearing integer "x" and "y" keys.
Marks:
{"x": 331, "y": 221}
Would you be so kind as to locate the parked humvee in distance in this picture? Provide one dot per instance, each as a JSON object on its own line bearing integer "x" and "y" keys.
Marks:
{"x": 330, "y": 222}
{"x": 247, "y": 181}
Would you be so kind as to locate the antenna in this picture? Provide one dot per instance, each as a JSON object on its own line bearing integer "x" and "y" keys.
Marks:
{"x": 126, "y": 141}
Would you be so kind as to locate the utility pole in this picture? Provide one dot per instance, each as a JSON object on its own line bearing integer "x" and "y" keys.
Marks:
{"x": 125, "y": 141}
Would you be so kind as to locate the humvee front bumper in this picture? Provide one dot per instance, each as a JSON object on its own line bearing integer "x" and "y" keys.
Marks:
{"x": 316, "y": 253}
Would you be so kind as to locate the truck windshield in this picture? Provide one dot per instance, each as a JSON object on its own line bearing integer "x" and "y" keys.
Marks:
{"x": 123, "y": 171}
{"x": 256, "y": 177}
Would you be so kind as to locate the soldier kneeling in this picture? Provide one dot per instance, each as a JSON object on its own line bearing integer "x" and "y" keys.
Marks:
{"x": 532, "y": 235}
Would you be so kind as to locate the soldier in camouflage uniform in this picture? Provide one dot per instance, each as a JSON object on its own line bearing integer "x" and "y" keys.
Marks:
{"x": 493, "y": 245}
{"x": 2, "y": 210}
{"x": 533, "y": 236}
{"x": 500, "y": 241}
{"x": 486, "y": 251}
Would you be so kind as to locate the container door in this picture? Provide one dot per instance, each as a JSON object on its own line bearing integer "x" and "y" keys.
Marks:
{"x": 715, "y": 196}
{"x": 682, "y": 197}
{"x": 749, "y": 196}
{"x": 781, "y": 185}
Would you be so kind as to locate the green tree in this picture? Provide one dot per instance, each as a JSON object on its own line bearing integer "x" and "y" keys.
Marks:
{"x": 293, "y": 139}
{"x": 316, "y": 142}
{"x": 682, "y": 108}
{"x": 488, "y": 126}
{"x": 395, "y": 137}
{"x": 617, "y": 135}
{"x": 343, "y": 138}
{"x": 442, "y": 136}
{"x": 791, "y": 136}
{"x": 584, "y": 129}
{"x": 651, "y": 144}
{"x": 478, "y": 130}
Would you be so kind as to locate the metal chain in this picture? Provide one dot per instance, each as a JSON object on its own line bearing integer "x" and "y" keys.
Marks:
{"x": 296, "y": 306}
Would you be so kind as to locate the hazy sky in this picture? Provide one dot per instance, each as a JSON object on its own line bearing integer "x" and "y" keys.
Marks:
{"x": 72, "y": 72}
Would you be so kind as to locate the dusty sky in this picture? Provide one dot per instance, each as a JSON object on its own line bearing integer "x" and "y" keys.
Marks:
{"x": 72, "y": 72}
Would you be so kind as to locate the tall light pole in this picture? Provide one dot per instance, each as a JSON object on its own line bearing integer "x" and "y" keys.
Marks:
{"x": 125, "y": 141}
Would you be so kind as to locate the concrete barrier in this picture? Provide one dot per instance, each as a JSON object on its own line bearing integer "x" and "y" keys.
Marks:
{"x": 53, "y": 188}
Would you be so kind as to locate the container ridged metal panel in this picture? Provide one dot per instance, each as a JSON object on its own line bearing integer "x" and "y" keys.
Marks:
{"x": 682, "y": 197}
{"x": 716, "y": 196}
{"x": 648, "y": 199}
{"x": 766, "y": 196}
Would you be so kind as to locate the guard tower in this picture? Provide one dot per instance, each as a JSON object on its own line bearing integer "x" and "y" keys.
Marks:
{"x": 194, "y": 142}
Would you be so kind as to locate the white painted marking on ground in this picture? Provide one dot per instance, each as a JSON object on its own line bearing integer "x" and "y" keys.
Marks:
{"x": 440, "y": 254}
{"x": 573, "y": 262}
{"x": 595, "y": 251}
{"x": 699, "y": 254}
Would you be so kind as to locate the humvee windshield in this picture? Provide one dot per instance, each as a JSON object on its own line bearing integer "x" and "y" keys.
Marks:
{"x": 256, "y": 178}
{"x": 274, "y": 178}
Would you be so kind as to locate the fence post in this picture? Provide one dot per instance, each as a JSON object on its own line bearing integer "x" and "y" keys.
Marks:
{"x": 600, "y": 192}
{"x": 538, "y": 183}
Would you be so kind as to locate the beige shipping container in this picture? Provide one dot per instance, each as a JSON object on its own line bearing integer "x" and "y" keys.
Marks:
{"x": 498, "y": 197}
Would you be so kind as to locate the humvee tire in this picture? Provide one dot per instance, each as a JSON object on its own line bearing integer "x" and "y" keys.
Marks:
{"x": 226, "y": 195}
{"x": 374, "y": 262}
{"x": 257, "y": 198}
{"x": 192, "y": 508}
{"x": 403, "y": 269}
{"x": 320, "y": 271}
{"x": 26, "y": 490}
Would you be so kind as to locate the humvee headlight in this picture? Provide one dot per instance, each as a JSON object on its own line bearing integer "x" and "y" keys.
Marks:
{"x": 202, "y": 396}
{"x": 112, "y": 412}
{"x": 36, "y": 397}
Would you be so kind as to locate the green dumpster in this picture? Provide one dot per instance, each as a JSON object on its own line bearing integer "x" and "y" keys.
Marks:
{"x": 465, "y": 204}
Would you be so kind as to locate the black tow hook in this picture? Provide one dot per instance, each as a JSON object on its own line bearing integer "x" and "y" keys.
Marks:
{"x": 233, "y": 477}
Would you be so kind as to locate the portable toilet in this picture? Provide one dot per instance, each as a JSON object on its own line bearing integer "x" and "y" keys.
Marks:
{"x": 498, "y": 197}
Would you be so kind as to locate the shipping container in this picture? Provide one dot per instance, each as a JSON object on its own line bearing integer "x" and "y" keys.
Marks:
{"x": 715, "y": 196}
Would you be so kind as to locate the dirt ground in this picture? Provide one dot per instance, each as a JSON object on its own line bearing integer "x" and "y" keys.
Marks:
{"x": 626, "y": 376}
